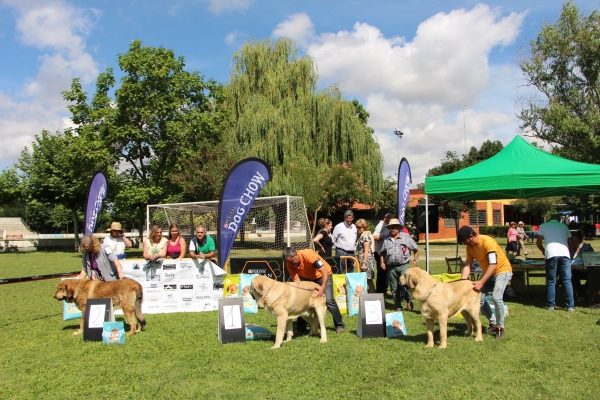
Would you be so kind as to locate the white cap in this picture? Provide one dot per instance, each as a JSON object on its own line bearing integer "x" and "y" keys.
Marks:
{"x": 520, "y": 223}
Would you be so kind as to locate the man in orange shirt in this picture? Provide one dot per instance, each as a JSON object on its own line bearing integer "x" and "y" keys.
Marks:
{"x": 307, "y": 265}
{"x": 496, "y": 274}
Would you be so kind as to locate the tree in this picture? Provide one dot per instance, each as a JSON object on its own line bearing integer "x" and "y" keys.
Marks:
{"x": 282, "y": 118}
{"x": 564, "y": 66}
{"x": 160, "y": 115}
{"x": 57, "y": 171}
{"x": 538, "y": 205}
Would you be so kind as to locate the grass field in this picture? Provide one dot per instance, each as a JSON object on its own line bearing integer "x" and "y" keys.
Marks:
{"x": 544, "y": 354}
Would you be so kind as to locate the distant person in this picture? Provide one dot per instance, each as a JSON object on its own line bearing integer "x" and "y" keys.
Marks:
{"x": 558, "y": 260}
{"x": 521, "y": 237}
{"x": 155, "y": 246}
{"x": 497, "y": 272}
{"x": 323, "y": 240}
{"x": 99, "y": 262}
{"x": 379, "y": 235}
{"x": 365, "y": 245}
{"x": 577, "y": 246}
{"x": 511, "y": 239}
{"x": 117, "y": 240}
{"x": 344, "y": 237}
{"x": 202, "y": 246}
{"x": 176, "y": 243}
{"x": 395, "y": 258}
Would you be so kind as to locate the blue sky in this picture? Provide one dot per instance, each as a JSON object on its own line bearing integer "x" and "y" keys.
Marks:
{"x": 440, "y": 70}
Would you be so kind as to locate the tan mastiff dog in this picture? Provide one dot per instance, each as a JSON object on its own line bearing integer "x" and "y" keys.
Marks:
{"x": 288, "y": 301}
{"x": 125, "y": 294}
{"x": 443, "y": 300}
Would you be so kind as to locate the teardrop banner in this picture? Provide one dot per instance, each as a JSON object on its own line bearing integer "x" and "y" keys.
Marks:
{"x": 404, "y": 182}
{"x": 96, "y": 193}
{"x": 241, "y": 187}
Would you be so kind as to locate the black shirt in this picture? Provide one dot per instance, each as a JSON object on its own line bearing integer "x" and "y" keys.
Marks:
{"x": 327, "y": 243}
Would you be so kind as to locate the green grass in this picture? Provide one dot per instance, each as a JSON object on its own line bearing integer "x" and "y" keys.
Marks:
{"x": 544, "y": 355}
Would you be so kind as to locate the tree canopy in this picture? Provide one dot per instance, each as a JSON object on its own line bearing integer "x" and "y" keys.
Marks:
{"x": 563, "y": 66}
{"x": 281, "y": 117}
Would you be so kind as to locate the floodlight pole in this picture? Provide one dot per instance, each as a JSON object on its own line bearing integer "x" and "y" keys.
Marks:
{"x": 427, "y": 233}
{"x": 398, "y": 134}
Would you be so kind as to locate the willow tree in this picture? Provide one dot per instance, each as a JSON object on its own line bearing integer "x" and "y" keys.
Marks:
{"x": 282, "y": 118}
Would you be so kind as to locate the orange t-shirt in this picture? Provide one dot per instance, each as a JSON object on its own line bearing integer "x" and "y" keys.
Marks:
{"x": 307, "y": 268}
{"x": 480, "y": 253}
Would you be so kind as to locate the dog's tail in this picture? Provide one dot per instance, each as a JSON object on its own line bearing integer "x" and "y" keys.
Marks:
{"x": 139, "y": 297}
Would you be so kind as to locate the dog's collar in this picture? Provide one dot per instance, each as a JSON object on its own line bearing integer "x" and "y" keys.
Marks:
{"x": 269, "y": 289}
{"x": 428, "y": 294}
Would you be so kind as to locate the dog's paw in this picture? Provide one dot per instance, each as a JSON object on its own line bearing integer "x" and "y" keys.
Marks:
{"x": 443, "y": 346}
{"x": 479, "y": 339}
{"x": 275, "y": 347}
{"x": 429, "y": 345}
{"x": 77, "y": 333}
{"x": 323, "y": 340}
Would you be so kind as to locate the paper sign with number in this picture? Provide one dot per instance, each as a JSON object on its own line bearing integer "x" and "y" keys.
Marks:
{"x": 373, "y": 313}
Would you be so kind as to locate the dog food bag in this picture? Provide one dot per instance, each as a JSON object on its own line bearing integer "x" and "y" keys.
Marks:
{"x": 356, "y": 284}
{"x": 113, "y": 333}
{"x": 450, "y": 277}
{"x": 255, "y": 332}
{"x": 394, "y": 324}
{"x": 339, "y": 292}
{"x": 231, "y": 286}
{"x": 70, "y": 310}
{"x": 250, "y": 306}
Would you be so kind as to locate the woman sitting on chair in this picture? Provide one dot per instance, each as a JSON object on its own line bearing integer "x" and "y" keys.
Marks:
{"x": 577, "y": 246}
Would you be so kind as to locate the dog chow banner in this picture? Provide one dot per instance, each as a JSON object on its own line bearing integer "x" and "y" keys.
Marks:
{"x": 242, "y": 186}
{"x": 184, "y": 285}
{"x": 96, "y": 193}
{"x": 404, "y": 182}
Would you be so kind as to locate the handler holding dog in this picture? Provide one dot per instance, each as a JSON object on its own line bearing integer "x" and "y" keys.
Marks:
{"x": 99, "y": 262}
{"x": 496, "y": 274}
{"x": 307, "y": 265}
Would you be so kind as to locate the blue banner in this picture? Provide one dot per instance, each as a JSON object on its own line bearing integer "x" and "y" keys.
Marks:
{"x": 96, "y": 193}
{"x": 240, "y": 188}
{"x": 404, "y": 182}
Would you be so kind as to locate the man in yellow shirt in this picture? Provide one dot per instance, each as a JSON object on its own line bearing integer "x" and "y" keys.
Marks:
{"x": 496, "y": 274}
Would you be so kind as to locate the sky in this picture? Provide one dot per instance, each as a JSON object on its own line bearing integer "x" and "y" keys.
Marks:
{"x": 443, "y": 72}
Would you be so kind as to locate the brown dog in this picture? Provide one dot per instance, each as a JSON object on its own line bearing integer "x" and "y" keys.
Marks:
{"x": 125, "y": 294}
{"x": 443, "y": 300}
{"x": 288, "y": 301}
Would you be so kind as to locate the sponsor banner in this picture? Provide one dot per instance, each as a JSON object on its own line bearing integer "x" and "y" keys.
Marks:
{"x": 242, "y": 186}
{"x": 96, "y": 193}
{"x": 404, "y": 182}
{"x": 177, "y": 285}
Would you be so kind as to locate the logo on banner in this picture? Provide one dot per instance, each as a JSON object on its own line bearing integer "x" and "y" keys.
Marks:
{"x": 169, "y": 276}
{"x": 186, "y": 287}
{"x": 169, "y": 266}
{"x": 241, "y": 187}
{"x": 404, "y": 182}
{"x": 186, "y": 265}
{"x": 170, "y": 287}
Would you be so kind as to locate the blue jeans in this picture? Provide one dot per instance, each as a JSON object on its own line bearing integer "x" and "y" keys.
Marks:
{"x": 331, "y": 305}
{"x": 399, "y": 292}
{"x": 496, "y": 284}
{"x": 340, "y": 252}
{"x": 563, "y": 265}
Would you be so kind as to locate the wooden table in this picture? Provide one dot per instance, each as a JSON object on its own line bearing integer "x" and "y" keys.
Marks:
{"x": 535, "y": 269}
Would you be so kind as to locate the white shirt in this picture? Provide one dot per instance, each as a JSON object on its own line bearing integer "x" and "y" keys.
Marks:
{"x": 556, "y": 236}
{"x": 380, "y": 230}
{"x": 117, "y": 245}
{"x": 344, "y": 236}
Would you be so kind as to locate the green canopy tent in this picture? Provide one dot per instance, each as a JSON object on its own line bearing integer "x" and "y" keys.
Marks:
{"x": 520, "y": 170}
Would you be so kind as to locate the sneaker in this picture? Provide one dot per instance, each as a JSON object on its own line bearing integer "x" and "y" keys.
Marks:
{"x": 492, "y": 330}
{"x": 571, "y": 309}
{"x": 339, "y": 329}
{"x": 500, "y": 333}
{"x": 549, "y": 308}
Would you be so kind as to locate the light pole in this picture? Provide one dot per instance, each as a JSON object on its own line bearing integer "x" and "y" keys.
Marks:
{"x": 398, "y": 134}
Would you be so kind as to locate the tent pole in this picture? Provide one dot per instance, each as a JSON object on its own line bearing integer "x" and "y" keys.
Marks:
{"x": 427, "y": 233}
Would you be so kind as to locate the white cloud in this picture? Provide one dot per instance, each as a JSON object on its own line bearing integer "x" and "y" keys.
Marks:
{"x": 231, "y": 36}
{"x": 59, "y": 31}
{"x": 297, "y": 27}
{"x": 216, "y": 6}
{"x": 420, "y": 85}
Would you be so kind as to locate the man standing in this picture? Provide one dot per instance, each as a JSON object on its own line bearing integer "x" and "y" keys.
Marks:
{"x": 381, "y": 233}
{"x": 395, "y": 259}
{"x": 558, "y": 258}
{"x": 496, "y": 274}
{"x": 117, "y": 240}
{"x": 307, "y": 265}
{"x": 202, "y": 246}
{"x": 344, "y": 238}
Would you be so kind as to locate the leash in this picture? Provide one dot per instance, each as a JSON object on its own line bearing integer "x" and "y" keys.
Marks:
{"x": 301, "y": 288}
{"x": 428, "y": 293}
{"x": 268, "y": 290}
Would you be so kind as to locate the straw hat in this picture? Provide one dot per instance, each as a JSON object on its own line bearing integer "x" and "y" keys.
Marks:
{"x": 115, "y": 226}
{"x": 394, "y": 222}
